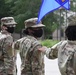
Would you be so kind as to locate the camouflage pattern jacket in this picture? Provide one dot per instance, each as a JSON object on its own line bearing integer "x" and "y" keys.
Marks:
{"x": 6, "y": 54}
{"x": 65, "y": 51}
{"x": 32, "y": 59}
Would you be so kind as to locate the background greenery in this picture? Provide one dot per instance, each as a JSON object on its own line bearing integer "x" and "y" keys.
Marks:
{"x": 24, "y": 9}
{"x": 49, "y": 43}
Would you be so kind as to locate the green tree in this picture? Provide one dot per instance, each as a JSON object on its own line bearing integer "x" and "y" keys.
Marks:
{"x": 4, "y": 9}
{"x": 25, "y": 9}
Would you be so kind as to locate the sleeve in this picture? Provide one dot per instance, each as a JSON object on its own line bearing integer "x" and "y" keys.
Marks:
{"x": 37, "y": 59}
{"x": 8, "y": 54}
{"x": 52, "y": 52}
{"x": 24, "y": 50}
{"x": 7, "y": 47}
{"x": 34, "y": 62}
{"x": 15, "y": 45}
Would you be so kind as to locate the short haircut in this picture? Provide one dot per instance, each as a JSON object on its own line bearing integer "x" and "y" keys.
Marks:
{"x": 70, "y": 33}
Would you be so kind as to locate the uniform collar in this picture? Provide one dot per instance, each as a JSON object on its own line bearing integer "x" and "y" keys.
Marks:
{"x": 5, "y": 32}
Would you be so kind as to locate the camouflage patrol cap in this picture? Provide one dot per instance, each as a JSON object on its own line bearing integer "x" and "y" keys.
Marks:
{"x": 32, "y": 22}
{"x": 72, "y": 23}
{"x": 8, "y": 21}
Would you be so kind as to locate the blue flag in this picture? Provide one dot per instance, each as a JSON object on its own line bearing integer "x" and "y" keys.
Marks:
{"x": 51, "y": 5}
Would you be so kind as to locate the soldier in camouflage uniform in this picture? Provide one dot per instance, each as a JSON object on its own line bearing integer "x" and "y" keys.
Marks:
{"x": 65, "y": 51}
{"x": 32, "y": 59}
{"x": 6, "y": 53}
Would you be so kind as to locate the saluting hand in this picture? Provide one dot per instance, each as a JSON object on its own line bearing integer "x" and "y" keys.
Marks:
{"x": 42, "y": 49}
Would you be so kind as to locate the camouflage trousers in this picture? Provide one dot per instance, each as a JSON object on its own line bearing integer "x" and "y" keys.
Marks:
{"x": 26, "y": 73}
{"x": 5, "y": 73}
{"x": 4, "y": 70}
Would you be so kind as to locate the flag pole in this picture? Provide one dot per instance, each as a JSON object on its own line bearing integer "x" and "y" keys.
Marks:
{"x": 60, "y": 9}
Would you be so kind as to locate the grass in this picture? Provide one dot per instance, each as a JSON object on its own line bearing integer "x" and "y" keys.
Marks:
{"x": 48, "y": 42}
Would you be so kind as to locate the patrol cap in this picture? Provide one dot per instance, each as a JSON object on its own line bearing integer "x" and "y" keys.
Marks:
{"x": 32, "y": 22}
{"x": 8, "y": 21}
{"x": 72, "y": 23}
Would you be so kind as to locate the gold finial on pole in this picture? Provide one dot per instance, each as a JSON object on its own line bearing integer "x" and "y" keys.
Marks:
{"x": 63, "y": 0}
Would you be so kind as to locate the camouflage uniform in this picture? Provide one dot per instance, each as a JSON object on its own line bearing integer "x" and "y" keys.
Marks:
{"x": 6, "y": 52}
{"x": 65, "y": 51}
{"x": 32, "y": 59}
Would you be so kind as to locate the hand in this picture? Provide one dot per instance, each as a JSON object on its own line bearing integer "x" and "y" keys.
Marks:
{"x": 42, "y": 49}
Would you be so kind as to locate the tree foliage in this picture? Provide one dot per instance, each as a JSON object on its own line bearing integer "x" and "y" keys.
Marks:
{"x": 4, "y": 9}
{"x": 24, "y": 9}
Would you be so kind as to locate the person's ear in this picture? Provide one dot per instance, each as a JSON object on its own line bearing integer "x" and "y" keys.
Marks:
{"x": 3, "y": 27}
